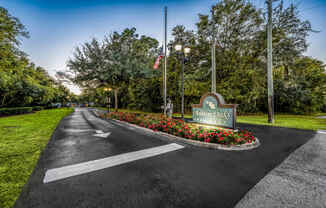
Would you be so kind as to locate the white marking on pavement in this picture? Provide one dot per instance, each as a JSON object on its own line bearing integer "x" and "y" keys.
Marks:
{"x": 90, "y": 166}
{"x": 78, "y": 130}
{"x": 321, "y": 131}
{"x": 103, "y": 135}
{"x": 99, "y": 131}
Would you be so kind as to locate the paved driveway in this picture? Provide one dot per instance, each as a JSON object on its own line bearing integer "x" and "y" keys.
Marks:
{"x": 187, "y": 177}
{"x": 299, "y": 181}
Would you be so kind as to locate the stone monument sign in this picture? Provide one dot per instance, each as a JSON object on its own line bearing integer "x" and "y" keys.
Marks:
{"x": 212, "y": 110}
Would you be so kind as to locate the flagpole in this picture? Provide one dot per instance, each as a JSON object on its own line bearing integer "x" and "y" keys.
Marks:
{"x": 165, "y": 55}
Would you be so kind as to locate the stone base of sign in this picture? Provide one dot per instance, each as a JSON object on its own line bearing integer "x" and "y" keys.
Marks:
{"x": 195, "y": 142}
{"x": 209, "y": 126}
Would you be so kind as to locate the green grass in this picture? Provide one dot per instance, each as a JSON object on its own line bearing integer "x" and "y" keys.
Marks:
{"x": 310, "y": 122}
{"x": 22, "y": 139}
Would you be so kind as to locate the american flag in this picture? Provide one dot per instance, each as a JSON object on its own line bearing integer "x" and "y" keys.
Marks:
{"x": 158, "y": 59}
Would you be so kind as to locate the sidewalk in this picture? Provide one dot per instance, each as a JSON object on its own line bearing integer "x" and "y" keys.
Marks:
{"x": 300, "y": 181}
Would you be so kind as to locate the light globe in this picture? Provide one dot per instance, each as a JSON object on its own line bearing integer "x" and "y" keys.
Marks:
{"x": 186, "y": 50}
{"x": 178, "y": 47}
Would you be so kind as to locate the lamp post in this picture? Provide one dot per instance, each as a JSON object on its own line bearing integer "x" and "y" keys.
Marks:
{"x": 68, "y": 99}
{"x": 109, "y": 100}
{"x": 183, "y": 52}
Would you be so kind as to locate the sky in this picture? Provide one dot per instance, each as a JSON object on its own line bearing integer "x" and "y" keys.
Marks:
{"x": 56, "y": 27}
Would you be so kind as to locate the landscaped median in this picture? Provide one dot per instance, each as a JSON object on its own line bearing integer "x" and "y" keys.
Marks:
{"x": 308, "y": 122}
{"x": 218, "y": 138}
{"x": 22, "y": 139}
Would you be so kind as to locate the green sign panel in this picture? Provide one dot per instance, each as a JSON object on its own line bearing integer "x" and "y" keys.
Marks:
{"x": 213, "y": 111}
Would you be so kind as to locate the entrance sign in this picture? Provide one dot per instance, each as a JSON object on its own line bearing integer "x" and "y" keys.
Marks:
{"x": 213, "y": 110}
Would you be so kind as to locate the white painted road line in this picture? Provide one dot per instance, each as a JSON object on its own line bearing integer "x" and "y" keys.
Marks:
{"x": 71, "y": 130}
{"x": 90, "y": 166}
{"x": 321, "y": 131}
{"x": 103, "y": 135}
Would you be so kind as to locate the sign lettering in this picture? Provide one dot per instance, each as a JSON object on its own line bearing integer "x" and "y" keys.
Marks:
{"x": 213, "y": 111}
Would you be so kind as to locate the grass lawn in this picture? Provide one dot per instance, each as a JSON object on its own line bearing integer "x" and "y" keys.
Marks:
{"x": 22, "y": 139}
{"x": 310, "y": 122}
{"x": 290, "y": 121}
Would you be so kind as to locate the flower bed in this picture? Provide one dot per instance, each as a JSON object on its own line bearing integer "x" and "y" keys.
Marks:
{"x": 182, "y": 129}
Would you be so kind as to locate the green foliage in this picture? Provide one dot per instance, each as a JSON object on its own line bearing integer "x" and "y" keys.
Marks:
{"x": 21, "y": 82}
{"x": 303, "y": 89}
{"x": 10, "y": 28}
{"x": 37, "y": 108}
{"x": 123, "y": 61}
{"x": 145, "y": 98}
{"x": 120, "y": 58}
{"x": 15, "y": 111}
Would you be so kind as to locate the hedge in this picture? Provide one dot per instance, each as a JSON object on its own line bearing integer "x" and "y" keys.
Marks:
{"x": 37, "y": 108}
{"x": 15, "y": 111}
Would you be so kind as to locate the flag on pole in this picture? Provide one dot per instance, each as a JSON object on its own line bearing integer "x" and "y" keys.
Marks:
{"x": 158, "y": 59}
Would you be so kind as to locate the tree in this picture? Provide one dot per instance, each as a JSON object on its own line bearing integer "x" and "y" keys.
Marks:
{"x": 124, "y": 61}
{"x": 290, "y": 34}
{"x": 21, "y": 82}
{"x": 10, "y": 29}
{"x": 114, "y": 62}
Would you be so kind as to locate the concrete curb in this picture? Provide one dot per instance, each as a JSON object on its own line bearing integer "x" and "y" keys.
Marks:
{"x": 195, "y": 142}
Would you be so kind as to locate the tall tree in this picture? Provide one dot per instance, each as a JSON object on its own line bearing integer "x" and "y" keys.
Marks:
{"x": 114, "y": 62}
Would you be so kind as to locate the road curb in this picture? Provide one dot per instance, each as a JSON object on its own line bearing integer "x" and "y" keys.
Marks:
{"x": 195, "y": 142}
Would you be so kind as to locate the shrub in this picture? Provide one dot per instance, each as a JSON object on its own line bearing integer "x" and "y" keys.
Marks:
{"x": 37, "y": 108}
{"x": 15, "y": 111}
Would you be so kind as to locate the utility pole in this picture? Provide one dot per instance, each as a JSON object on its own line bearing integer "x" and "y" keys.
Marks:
{"x": 165, "y": 55}
{"x": 213, "y": 65}
{"x": 213, "y": 48}
{"x": 270, "y": 64}
{"x": 183, "y": 88}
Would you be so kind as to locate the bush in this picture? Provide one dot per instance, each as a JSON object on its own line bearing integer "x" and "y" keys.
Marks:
{"x": 37, "y": 108}
{"x": 15, "y": 111}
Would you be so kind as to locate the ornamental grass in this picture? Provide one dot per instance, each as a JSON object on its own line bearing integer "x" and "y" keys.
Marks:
{"x": 183, "y": 129}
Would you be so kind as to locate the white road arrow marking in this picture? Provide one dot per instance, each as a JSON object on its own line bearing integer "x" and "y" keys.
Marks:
{"x": 103, "y": 135}
{"x": 94, "y": 165}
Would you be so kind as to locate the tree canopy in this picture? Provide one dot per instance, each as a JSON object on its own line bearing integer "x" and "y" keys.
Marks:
{"x": 124, "y": 61}
{"x": 21, "y": 82}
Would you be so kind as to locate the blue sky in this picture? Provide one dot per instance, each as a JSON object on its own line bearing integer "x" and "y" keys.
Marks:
{"x": 57, "y": 26}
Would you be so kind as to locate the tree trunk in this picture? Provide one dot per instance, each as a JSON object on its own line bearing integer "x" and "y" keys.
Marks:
{"x": 116, "y": 100}
{"x": 286, "y": 72}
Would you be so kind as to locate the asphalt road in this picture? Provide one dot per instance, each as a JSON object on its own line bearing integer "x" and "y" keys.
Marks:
{"x": 189, "y": 177}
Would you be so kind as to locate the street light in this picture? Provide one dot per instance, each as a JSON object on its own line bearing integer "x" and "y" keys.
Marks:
{"x": 109, "y": 99}
{"x": 183, "y": 58}
{"x": 187, "y": 50}
{"x": 67, "y": 98}
{"x": 178, "y": 47}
